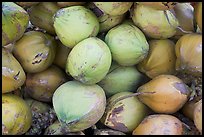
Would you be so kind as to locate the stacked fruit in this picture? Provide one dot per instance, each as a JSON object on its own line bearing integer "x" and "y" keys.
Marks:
{"x": 77, "y": 68}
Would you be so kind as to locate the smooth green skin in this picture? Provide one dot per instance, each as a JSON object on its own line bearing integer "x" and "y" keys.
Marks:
{"x": 107, "y": 22}
{"x": 28, "y": 49}
{"x": 114, "y": 8}
{"x": 79, "y": 106}
{"x": 14, "y": 22}
{"x": 41, "y": 15}
{"x": 121, "y": 79}
{"x": 89, "y": 61}
{"x": 74, "y": 24}
{"x": 127, "y": 44}
{"x": 154, "y": 23}
{"x": 132, "y": 113}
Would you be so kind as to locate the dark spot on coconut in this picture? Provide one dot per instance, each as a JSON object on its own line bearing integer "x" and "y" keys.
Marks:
{"x": 166, "y": 4}
{"x": 117, "y": 110}
{"x": 80, "y": 77}
{"x": 177, "y": 125}
{"x": 112, "y": 117}
{"x": 181, "y": 87}
{"x": 44, "y": 56}
{"x": 16, "y": 76}
{"x": 37, "y": 61}
{"x": 18, "y": 28}
{"x": 38, "y": 55}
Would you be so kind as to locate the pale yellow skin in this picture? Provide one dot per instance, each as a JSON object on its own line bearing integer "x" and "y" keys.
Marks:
{"x": 189, "y": 54}
{"x": 189, "y": 107}
{"x": 114, "y": 8}
{"x": 198, "y": 116}
{"x": 157, "y": 63}
{"x": 16, "y": 115}
{"x": 154, "y": 23}
{"x": 168, "y": 95}
{"x": 159, "y": 124}
{"x": 13, "y": 75}
{"x": 198, "y": 14}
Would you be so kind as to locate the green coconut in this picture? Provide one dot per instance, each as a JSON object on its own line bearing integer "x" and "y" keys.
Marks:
{"x": 74, "y": 24}
{"x": 41, "y": 15}
{"x": 35, "y": 51}
{"x": 13, "y": 75}
{"x": 78, "y": 106}
{"x": 89, "y": 61}
{"x": 14, "y": 22}
{"x": 127, "y": 44}
{"x": 62, "y": 53}
{"x": 42, "y": 85}
{"x": 114, "y": 8}
{"x": 120, "y": 79}
{"x": 16, "y": 115}
{"x": 124, "y": 115}
{"x": 184, "y": 12}
{"x": 106, "y": 21}
{"x": 154, "y": 23}
{"x": 157, "y": 63}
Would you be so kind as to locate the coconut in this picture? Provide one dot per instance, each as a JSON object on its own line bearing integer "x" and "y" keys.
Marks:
{"x": 78, "y": 106}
